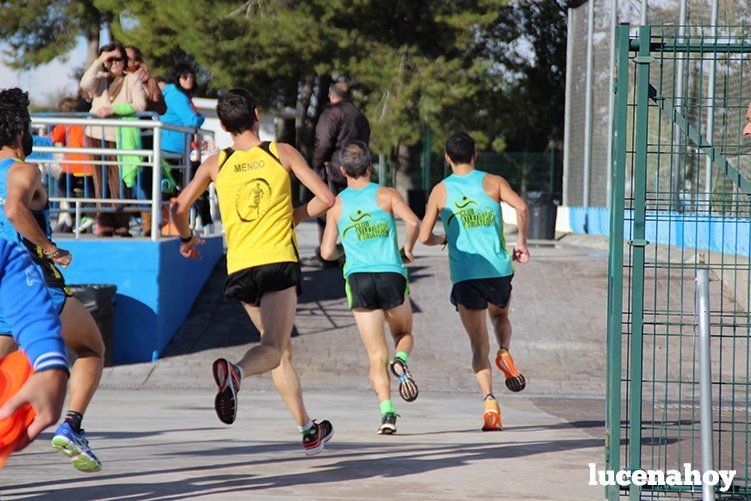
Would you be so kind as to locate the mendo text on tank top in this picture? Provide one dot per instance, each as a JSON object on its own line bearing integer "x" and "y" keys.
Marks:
{"x": 247, "y": 166}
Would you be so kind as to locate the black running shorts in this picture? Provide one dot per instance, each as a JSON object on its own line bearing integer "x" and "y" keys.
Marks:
{"x": 249, "y": 285}
{"x": 476, "y": 294}
{"x": 376, "y": 291}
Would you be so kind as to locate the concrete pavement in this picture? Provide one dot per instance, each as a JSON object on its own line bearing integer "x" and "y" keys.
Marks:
{"x": 154, "y": 427}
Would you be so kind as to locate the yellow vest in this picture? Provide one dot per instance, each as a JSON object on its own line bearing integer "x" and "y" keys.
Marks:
{"x": 255, "y": 200}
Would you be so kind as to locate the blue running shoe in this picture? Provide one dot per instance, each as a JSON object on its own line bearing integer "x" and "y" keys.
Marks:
{"x": 74, "y": 446}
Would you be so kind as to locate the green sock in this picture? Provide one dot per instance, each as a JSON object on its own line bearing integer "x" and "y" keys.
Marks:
{"x": 403, "y": 356}
{"x": 386, "y": 407}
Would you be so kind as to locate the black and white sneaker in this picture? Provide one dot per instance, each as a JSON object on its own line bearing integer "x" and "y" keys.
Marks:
{"x": 313, "y": 443}
{"x": 407, "y": 386}
{"x": 227, "y": 379}
{"x": 388, "y": 424}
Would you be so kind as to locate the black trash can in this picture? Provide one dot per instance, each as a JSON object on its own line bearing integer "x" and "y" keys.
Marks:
{"x": 417, "y": 199}
{"x": 99, "y": 299}
{"x": 542, "y": 215}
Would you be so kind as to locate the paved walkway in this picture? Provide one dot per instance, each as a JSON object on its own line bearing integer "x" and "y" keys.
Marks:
{"x": 153, "y": 424}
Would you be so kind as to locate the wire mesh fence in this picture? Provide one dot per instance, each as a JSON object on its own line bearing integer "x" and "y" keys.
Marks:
{"x": 680, "y": 203}
{"x": 733, "y": 14}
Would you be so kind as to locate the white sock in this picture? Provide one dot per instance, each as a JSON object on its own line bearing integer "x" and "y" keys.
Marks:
{"x": 305, "y": 428}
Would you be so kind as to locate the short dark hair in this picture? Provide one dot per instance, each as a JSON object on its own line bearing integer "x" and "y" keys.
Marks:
{"x": 340, "y": 90}
{"x": 14, "y": 115}
{"x": 68, "y": 104}
{"x": 136, "y": 51}
{"x": 115, "y": 46}
{"x": 355, "y": 158}
{"x": 236, "y": 110}
{"x": 460, "y": 148}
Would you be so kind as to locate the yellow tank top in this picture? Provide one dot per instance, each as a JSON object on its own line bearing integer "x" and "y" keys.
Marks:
{"x": 255, "y": 200}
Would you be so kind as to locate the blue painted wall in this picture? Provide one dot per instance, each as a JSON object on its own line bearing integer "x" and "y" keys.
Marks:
{"x": 729, "y": 235}
{"x": 156, "y": 287}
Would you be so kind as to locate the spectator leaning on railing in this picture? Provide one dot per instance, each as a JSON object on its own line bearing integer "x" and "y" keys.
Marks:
{"x": 154, "y": 99}
{"x": 180, "y": 108}
{"x": 76, "y": 176}
{"x": 114, "y": 93}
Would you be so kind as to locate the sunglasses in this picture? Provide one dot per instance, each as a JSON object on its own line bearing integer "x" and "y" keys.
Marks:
{"x": 188, "y": 75}
{"x": 116, "y": 60}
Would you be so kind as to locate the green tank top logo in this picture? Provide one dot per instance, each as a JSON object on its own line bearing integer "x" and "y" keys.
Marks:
{"x": 470, "y": 217}
{"x": 365, "y": 227}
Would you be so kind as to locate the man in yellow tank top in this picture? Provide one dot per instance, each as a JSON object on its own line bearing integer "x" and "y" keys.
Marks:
{"x": 253, "y": 183}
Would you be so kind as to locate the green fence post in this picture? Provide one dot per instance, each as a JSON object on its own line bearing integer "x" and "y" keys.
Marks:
{"x": 615, "y": 262}
{"x": 552, "y": 169}
{"x": 638, "y": 243}
{"x": 426, "y": 160}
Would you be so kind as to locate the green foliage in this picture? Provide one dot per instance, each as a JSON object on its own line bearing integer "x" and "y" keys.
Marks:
{"x": 38, "y": 31}
{"x": 452, "y": 64}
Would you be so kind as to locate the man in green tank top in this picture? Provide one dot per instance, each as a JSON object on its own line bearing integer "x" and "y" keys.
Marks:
{"x": 376, "y": 279}
{"x": 468, "y": 202}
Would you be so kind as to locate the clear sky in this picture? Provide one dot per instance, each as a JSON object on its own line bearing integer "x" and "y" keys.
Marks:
{"x": 47, "y": 81}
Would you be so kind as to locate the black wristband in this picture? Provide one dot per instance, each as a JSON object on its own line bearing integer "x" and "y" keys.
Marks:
{"x": 186, "y": 240}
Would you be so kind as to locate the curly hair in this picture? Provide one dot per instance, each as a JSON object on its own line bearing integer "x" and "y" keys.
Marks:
{"x": 14, "y": 115}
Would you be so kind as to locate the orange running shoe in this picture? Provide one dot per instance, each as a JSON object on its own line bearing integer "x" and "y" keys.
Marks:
{"x": 492, "y": 416}
{"x": 514, "y": 379}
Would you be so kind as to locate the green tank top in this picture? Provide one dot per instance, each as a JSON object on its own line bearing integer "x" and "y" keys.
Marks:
{"x": 474, "y": 230}
{"x": 368, "y": 234}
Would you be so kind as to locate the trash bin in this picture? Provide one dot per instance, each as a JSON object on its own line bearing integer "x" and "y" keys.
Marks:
{"x": 542, "y": 214}
{"x": 417, "y": 199}
{"x": 99, "y": 299}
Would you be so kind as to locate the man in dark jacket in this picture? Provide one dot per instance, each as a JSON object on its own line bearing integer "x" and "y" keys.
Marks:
{"x": 340, "y": 123}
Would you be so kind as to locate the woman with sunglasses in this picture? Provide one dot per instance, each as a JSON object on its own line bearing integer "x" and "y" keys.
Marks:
{"x": 114, "y": 93}
{"x": 180, "y": 108}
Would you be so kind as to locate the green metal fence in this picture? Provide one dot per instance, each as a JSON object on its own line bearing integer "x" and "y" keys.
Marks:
{"x": 680, "y": 201}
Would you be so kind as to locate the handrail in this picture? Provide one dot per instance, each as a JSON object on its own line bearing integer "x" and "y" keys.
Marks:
{"x": 101, "y": 159}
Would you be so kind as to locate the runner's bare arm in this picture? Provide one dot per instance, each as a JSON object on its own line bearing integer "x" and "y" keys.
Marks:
{"x": 508, "y": 195}
{"x": 412, "y": 223}
{"x": 329, "y": 249}
{"x": 23, "y": 181}
{"x": 323, "y": 199}
{"x": 180, "y": 209}
{"x": 427, "y": 237}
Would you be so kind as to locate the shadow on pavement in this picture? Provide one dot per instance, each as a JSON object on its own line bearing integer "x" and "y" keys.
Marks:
{"x": 392, "y": 462}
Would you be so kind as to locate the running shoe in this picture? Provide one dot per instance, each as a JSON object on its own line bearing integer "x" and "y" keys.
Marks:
{"x": 74, "y": 446}
{"x": 227, "y": 379}
{"x": 514, "y": 379}
{"x": 388, "y": 424}
{"x": 407, "y": 387}
{"x": 314, "y": 442}
{"x": 492, "y": 416}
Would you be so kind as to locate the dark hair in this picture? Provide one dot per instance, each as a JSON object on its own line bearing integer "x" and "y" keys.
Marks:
{"x": 68, "y": 105}
{"x": 115, "y": 46}
{"x": 355, "y": 158}
{"x": 139, "y": 56}
{"x": 340, "y": 90}
{"x": 236, "y": 110}
{"x": 14, "y": 115}
{"x": 180, "y": 70}
{"x": 460, "y": 148}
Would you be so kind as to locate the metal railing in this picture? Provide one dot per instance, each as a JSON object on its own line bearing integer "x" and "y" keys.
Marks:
{"x": 53, "y": 159}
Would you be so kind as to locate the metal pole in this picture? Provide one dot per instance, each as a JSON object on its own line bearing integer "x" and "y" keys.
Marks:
{"x": 381, "y": 169}
{"x": 643, "y": 13}
{"x": 567, "y": 110}
{"x": 156, "y": 185}
{"x": 711, "y": 98}
{"x": 611, "y": 99}
{"x": 78, "y": 219}
{"x": 678, "y": 92}
{"x": 588, "y": 103}
{"x": 705, "y": 375}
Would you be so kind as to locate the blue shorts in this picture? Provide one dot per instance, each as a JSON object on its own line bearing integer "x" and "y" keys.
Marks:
{"x": 59, "y": 296}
